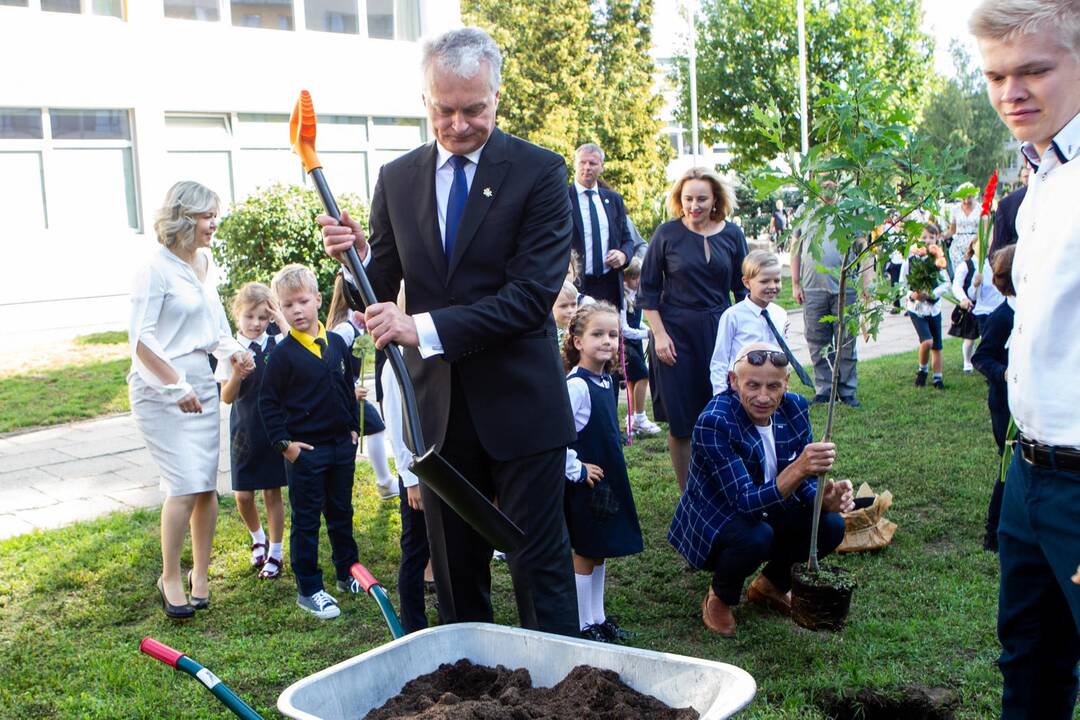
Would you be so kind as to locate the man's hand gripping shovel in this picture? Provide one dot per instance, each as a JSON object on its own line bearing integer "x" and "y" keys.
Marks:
{"x": 432, "y": 469}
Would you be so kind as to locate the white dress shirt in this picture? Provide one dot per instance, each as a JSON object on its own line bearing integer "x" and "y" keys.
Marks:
{"x": 986, "y": 297}
{"x": 1044, "y": 351}
{"x": 430, "y": 344}
{"x": 740, "y": 325}
{"x": 768, "y": 441}
{"x": 586, "y": 225}
{"x": 175, "y": 314}
{"x": 393, "y": 416}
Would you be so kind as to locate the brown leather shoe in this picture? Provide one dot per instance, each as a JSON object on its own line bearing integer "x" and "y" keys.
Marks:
{"x": 763, "y": 592}
{"x": 717, "y": 616}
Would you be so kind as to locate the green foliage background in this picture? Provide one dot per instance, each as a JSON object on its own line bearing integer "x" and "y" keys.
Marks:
{"x": 747, "y": 56}
{"x": 273, "y": 227}
{"x": 959, "y": 115}
{"x": 576, "y": 72}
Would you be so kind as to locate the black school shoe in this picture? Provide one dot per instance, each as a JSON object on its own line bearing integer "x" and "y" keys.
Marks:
{"x": 920, "y": 378}
{"x": 612, "y": 632}
{"x": 594, "y": 633}
{"x": 939, "y": 384}
{"x": 852, "y": 401}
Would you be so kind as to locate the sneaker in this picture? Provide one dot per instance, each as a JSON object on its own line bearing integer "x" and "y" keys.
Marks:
{"x": 387, "y": 492}
{"x": 969, "y": 369}
{"x": 939, "y": 384}
{"x": 350, "y": 586}
{"x": 322, "y": 605}
{"x": 611, "y": 631}
{"x": 594, "y": 633}
{"x": 920, "y": 378}
{"x": 646, "y": 427}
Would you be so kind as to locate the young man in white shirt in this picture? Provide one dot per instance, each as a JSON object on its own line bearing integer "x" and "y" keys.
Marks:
{"x": 1031, "y": 59}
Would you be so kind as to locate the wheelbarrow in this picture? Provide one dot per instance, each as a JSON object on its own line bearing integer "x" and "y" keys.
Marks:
{"x": 355, "y": 687}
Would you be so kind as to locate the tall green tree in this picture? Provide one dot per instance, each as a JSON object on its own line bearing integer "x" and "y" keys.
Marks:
{"x": 748, "y": 55}
{"x": 576, "y": 72}
{"x": 626, "y": 111}
{"x": 958, "y": 115}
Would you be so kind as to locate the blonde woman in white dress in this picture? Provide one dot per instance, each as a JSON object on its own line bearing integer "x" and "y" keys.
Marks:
{"x": 177, "y": 321}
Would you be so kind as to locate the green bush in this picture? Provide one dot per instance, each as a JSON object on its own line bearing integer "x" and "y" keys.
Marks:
{"x": 273, "y": 227}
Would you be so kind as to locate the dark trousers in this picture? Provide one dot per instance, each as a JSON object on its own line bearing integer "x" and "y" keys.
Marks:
{"x": 779, "y": 538}
{"x": 321, "y": 482}
{"x": 414, "y": 558}
{"x": 604, "y": 287}
{"x": 1038, "y": 605}
{"x": 530, "y": 491}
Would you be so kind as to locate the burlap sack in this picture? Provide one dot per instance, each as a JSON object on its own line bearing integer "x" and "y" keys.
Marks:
{"x": 867, "y": 528}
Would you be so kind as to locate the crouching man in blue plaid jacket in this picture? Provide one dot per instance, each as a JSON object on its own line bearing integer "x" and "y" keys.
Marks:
{"x": 750, "y": 494}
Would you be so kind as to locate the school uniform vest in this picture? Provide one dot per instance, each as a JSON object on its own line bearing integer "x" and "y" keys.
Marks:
{"x": 254, "y": 463}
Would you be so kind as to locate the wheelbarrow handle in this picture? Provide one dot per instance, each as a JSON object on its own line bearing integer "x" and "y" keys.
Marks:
{"x": 375, "y": 589}
{"x": 180, "y": 661}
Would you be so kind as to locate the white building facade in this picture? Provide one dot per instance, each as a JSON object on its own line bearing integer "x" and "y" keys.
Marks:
{"x": 105, "y": 103}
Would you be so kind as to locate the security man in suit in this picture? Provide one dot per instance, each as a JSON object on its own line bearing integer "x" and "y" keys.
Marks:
{"x": 602, "y": 241}
{"x": 478, "y": 225}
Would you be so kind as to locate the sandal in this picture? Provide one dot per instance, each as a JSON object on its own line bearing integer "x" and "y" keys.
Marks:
{"x": 271, "y": 569}
{"x": 259, "y": 553}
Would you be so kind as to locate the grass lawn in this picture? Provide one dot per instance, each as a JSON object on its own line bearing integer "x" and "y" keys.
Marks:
{"x": 75, "y": 602}
{"x": 63, "y": 394}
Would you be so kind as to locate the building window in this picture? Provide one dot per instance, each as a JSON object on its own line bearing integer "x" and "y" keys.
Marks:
{"x": 268, "y": 14}
{"x": 64, "y": 6}
{"x": 408, "y": 19}
{"x": 393, "y": 19}
{"x": 199, "y": 148}
{"x": 15, "y": 3}
{"x": 109, "y": 8}
{"x": 65, "y": 168}
{"x": 338, "y": 16}
{"x": 193, "y": 10}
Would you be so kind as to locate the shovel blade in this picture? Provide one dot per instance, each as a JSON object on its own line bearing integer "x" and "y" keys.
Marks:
{"x": 468, "y": 502}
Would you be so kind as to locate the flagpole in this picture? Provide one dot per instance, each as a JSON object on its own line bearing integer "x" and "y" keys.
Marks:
{"x": 803, "y": 113}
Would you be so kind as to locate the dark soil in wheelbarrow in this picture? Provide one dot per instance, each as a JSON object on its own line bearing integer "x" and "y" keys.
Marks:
{"x": 464, "y": 691}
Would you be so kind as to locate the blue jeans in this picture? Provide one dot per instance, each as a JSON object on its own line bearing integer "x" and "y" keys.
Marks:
{"x": 1038, "y": 605}
{"x": 321, "y": 482}
{"x": 779, "y": 538}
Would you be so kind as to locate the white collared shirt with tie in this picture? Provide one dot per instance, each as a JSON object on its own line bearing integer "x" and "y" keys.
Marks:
{"x": 740, "y": 325}
{"x": 586, "y": 225}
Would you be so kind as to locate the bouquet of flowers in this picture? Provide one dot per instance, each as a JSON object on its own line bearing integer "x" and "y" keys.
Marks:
{"x": 924, "y": 269}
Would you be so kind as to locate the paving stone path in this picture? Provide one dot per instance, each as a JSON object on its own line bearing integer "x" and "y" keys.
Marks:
{"x": 64, "y": 474}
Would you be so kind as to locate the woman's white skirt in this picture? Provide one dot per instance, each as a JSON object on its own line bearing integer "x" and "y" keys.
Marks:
{"x": 184, "y": 445}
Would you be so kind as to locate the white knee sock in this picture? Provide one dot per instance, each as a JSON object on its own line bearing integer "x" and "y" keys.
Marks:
{"x": 969, "y": 349}
{"x": 584, "y": 599}
{"x": 275, "y": 550}
{"x": 599, "y": 574}
{"x": 377, "y": 454}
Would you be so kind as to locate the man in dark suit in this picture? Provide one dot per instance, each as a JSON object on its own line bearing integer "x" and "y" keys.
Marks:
{"x": 602, "y": 240}
{"x": 1005, "y": 218}
{"x": 477, "y": 224}
{"x": 750, "y": 493}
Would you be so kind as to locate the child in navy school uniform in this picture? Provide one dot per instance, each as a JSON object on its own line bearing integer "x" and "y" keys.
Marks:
{"x": 600, "y": 512}
{"x": 991, "y": 358}
{"x": 743, "y": 323}
{"x": 339, "y": 319}
{"x": 637, "y": 373}
{"x": 311, "y": 416}
{"x": 254, "y": 463}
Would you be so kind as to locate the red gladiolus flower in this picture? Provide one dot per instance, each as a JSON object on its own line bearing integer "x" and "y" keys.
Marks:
{"x": 988, "y": 195}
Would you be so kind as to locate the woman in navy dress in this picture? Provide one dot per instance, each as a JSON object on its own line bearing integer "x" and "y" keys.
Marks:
{"x": 691, "y": 270}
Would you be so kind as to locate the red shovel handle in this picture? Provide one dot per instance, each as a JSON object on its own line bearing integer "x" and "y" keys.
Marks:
{"x": 160, "y": 651}
{"x": 363, "y": 576}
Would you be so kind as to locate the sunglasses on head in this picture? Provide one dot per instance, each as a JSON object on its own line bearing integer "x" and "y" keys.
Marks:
{"x": 758, "y": 358}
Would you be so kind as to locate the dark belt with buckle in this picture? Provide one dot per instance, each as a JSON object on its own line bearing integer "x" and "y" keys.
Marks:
{"x": 1050, "y": 457}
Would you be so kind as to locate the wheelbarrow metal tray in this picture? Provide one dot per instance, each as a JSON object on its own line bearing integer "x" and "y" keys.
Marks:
{"x": 351, "y": 689}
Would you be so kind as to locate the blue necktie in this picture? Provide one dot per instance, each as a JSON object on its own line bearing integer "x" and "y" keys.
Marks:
{"x": 597, "y": 250}
{"x": 455, "y": 204}
{"x": 787, "y": 351}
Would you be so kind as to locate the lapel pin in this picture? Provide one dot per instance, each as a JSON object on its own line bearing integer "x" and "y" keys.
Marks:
{"x": 487, "y": 192}
{"x": 607, "y": 202}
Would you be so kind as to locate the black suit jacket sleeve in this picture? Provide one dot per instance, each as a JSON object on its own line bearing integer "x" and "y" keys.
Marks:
{"x": 534, "y": 274}
{"x": 624, "y": 243}
{"x": 991, "y": 357}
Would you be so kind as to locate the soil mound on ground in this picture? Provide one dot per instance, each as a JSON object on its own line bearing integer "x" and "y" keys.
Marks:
{"x": 464, "y": 691}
